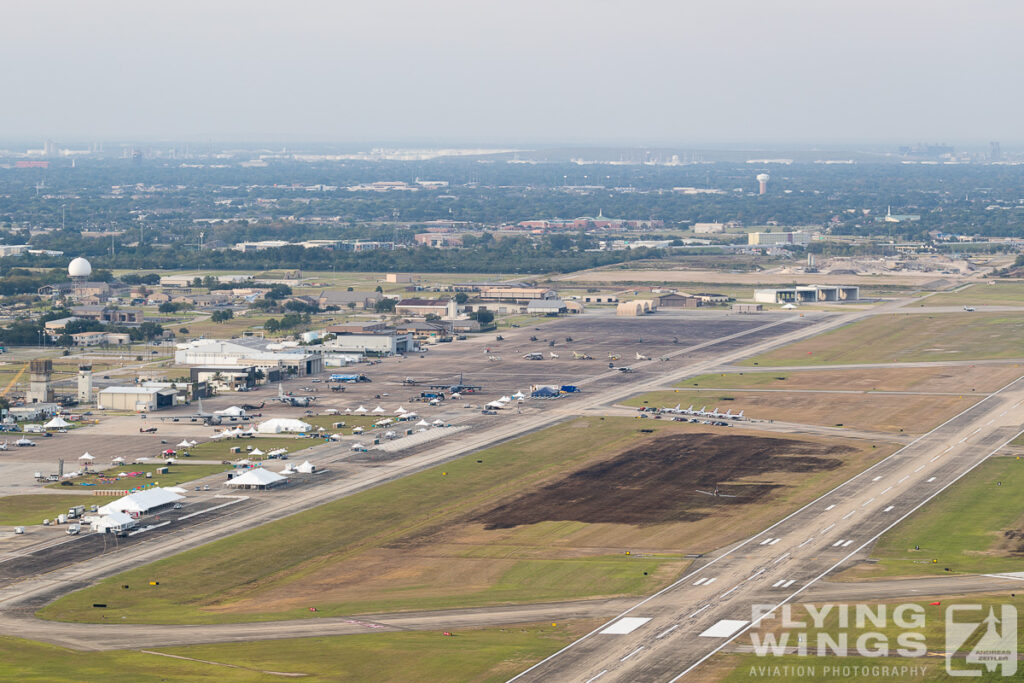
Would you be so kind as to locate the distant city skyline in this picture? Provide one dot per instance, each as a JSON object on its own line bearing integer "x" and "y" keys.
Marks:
{"x": 732, "y": 73}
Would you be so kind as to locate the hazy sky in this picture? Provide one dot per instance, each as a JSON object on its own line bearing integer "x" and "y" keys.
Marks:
{"x": 516, "y": 72}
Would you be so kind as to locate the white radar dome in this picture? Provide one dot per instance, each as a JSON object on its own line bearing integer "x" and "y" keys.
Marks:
{"x": 79, "y": 268}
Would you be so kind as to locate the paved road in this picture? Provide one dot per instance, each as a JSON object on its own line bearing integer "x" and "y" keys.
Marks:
{"x": 677, "y": 629}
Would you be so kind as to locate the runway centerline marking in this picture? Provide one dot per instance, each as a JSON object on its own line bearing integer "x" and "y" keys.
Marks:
{"x": 729, "y": 591}
{"x": 903, "y": 479}
{"x": 632, "y": 653}
{"x": 919, "y": 468}
{"x": 806, "y": 542}
{"x": 666, "y": 631}
{"x": 886, "y": 490}
{"x": 848, "y": 514}
{"x": 877, "y": 478}
{"x": 591, "y": 680}
{"x": 828, "y": 527}
{"x": 781, "y": 558}
{"x": 867, "y": 502}
{"x": 698, "y": 611}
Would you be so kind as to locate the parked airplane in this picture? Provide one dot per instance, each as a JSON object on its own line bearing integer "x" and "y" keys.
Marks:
{"x": 294, "y": 401}
{"x": 207, "y": 418}
{"x": 716, "y": 493}
{"x": 640, "y": 356}
{"x": 3, "y": 446}
{"x": 969, "y": 309}
{"x": 147, "y": 430}
{"x": 24, "y": 442}
{"x": 250, "y": 406}
{"x": 703, "y": 412}
{"x": 534, "y": 356}
{"x": 581, "y": 356}
{"x": 553, "y": 354}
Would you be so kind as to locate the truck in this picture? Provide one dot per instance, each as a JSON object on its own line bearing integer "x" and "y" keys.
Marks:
{"x": 76, "y": 511}
{"x": 62, "y": 519}
{"x": 74, "y": 529}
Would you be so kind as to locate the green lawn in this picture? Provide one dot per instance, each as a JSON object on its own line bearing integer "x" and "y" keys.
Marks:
{"x": 195, "y": 583}
{"x": 178, "y": 473}
{"x": 907, "y": 337}
{"x": 981, "y": 294}
{"x": 34, "y": 508}
{"x": 963, "y": 528}
{"x": 476, "y": 656}
{"x": 351, "y": 422}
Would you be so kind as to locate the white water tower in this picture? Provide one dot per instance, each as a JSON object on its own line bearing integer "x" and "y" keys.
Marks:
{"x": 762, "y": 181}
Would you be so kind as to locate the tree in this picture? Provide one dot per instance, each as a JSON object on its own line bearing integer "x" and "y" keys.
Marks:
{"x": 385, "y": 306}
{"x": 461, "y": 298}
{"x": 272, "y": 325}
{"x": 183, "y": 330}
{"x": 379, "y": 289}
{"x": 221, "y": 316}
{"x": 431, "y": 317}
{"x": 484, "y": 317}
{"x": 169, "y": 307}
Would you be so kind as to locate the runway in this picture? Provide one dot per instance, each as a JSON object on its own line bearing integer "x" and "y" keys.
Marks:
{"x": 671, "y": 633}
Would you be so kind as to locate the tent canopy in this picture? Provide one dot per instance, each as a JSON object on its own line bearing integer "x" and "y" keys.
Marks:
{"x": 56, "y": 423}
{"x": 141, "y": 501}
{"x": 258, "y": 477}
{"x": 278, "y": 425}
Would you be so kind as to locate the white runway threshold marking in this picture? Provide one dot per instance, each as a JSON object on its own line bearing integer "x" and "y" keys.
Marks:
{"x": 704, "y": 582}
{"x": 928, "y": 481}
{"x": 625, "y": 625}
{"x": 724, "y": 628}
{"x": 888, "y": 508}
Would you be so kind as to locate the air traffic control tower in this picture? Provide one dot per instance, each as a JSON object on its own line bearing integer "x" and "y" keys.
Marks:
{"x": 85, "y": 384}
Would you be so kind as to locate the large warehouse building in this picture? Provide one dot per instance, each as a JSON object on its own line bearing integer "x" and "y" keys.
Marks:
{"x": 807, "y": 294}
{"x": 142, "y": 399}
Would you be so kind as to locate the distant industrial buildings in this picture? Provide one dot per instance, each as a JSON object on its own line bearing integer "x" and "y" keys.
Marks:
{"x": 771, "y": 239}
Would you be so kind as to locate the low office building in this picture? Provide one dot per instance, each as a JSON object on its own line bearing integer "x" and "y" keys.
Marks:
{"x": 747, "y": 308}
{"x": 444, "y": 308}
{"x": 139, "y": 399}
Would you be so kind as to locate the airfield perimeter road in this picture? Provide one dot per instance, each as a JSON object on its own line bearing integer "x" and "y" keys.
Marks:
{"x": 668, "y": 635}
{"x": 41, "y": 587}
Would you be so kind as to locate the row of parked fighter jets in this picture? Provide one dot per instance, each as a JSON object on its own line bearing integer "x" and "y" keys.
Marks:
{"x": 713, "y": 413}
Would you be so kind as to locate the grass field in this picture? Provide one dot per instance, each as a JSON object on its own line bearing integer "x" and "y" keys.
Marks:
{"x": 34, "y": 508}
{"x": 912, "y": 414}
{"x": 907, "y": 337}
{"x": 179, "y": 473}
{"x": 475, "y": 656}
{"x": 981, "y": 294}
{"x": 964, "y": 528}
{"x": 410, "y": 544}
{"x": 351, "y": 422}
{"x": 959, "y": 379}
